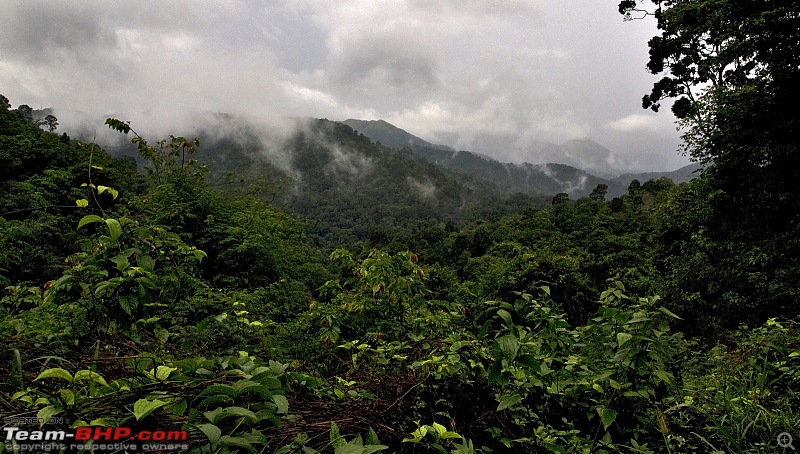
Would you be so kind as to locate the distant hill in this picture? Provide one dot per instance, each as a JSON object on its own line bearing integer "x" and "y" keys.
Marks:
{"x": 389, "y": 135}
{"x": 679, "y": 176}
{"x": 548, "y": 179}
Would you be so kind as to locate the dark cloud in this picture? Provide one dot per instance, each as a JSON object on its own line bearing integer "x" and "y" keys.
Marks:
{"x": 39, "y": 33}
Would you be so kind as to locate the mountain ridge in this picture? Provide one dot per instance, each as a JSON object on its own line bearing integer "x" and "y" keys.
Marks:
{"x": 546, "y": 178}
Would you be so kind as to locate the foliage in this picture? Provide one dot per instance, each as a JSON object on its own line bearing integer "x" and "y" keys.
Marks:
{"x": 732, "y": 69}
{"x": 161, "y": 300}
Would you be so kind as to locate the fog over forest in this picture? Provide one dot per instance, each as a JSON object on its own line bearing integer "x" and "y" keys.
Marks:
{"x": 500, "y": 80}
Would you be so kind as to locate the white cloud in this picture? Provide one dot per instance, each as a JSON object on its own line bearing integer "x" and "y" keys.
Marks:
{"x": 635, "y": 123}
{"x": 525, "y": 70}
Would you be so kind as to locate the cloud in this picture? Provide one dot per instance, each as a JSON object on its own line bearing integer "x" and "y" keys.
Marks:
{"x": 525, "y": 71}
{"x": 636, "y": 123}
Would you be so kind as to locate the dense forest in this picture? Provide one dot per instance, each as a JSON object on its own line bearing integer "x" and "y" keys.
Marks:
{"x": 368, "y": 299}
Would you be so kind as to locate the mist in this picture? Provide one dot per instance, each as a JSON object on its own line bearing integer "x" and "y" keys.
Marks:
{"x": 522, "y": 74}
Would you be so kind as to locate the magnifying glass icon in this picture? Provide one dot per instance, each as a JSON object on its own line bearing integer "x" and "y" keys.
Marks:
{"x": 785, "y": 440}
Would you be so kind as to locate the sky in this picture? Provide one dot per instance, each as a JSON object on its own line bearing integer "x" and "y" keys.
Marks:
{"x": 495, "y": 77}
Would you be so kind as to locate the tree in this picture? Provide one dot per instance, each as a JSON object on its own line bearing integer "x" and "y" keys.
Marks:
{"x": 51, "y": 122}
{"x": 26, "y": 111}
{"x": 731, "y": 68}
{"x": 599, "y": 192}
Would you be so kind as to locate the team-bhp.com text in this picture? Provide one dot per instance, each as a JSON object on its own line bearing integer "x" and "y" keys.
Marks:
{"x": 95, "y": 438}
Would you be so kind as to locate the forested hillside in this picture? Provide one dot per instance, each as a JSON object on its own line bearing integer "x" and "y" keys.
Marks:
{"x": 526, "y": 178}
{"x": 330, "y": 294}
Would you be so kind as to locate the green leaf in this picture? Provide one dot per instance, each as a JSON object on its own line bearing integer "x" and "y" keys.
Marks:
{"x": 211, "y": 431}
{"x": 48, "y": 412}
{"x": 220, "y": 389}
{"x": 114, "y": 228}
{"x": 336, "y": 438}
{"x": 665, "y": 376}
{"x": 554, "y": 447}
{"x": 217, "y": 399}
{"x": 55, "y": 372}
{"x": 88, "y": 219}
{"x": 507, "y": 401}
{"x": 83, "y": 203}
{"x": 121, "y": 262}
{"x": 622, "y": 338}
{"x": 509, "y": 346}
{"x": 667, "y": 312}
{"x": 417, "y": 435}
{"x": 67, "y": 396}
{"x": 506, "y": 317}
{"x": 372, "y": 438}
{"x": 235, "y": 412}
{"x": 162, "y": 372}
{"x": 86, "y": 374}
{"x": 607, "y": 416}
{"x": 144, "y": 407}
{"x": 239, "y": 442}
{"x": 281, "y": 402}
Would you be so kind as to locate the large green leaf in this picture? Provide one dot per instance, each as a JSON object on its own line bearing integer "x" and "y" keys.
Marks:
{"x": 88, "y": 219}
{"x": 507, "y": 401}
{"x": 114, "y": 228}
{"x": 48, "y": 412}
{"x": 144, "y": 407}
{"x": 162, "y": 372}
{"x": 220, "y": 388}
{"x": 239, "y": 442}
{"x": 281, "y": 402}
{"x": 607, "y": 416}
{"x": 509, "y": 346}
{"x": 86, "y": 374}
{"x": 506, "y": 316}
{"x": 623, "y": 338}
{"x": 211, "y": 431}
{"x": 665, "y": 376}
{"x": 236, "y": 412}
{"x": 55, "y": 372}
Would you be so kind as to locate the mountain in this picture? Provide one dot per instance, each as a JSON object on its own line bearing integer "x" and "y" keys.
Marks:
{"x": 347, "y": 187}
{"x": 679, "y": 176}
{"x": 389, "y": 135}
{"x": 548, "y": 179}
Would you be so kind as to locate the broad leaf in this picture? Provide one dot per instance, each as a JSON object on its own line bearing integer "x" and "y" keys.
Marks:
{"x": 507, "y": 401}
{"x": 281, "y": 402}
{"x": 211, "y": 431}
{"x": 55, "y": 372}
{"x": 607, "y": 416}
{"x": 114, "y": 228}
{"x": 88, "y": 219}
{"x": 236, "y": 412}
{"x": 48, "y": 412}
{"x": 144, "y": 407}
{"x": 86, "y": 374}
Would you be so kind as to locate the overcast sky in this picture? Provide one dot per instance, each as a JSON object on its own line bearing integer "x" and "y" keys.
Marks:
{"x": 450, "y": 71}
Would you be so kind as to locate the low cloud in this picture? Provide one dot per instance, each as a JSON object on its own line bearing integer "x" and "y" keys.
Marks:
{"x": 636, "y": 123}
{"x": 524, "y": 70}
